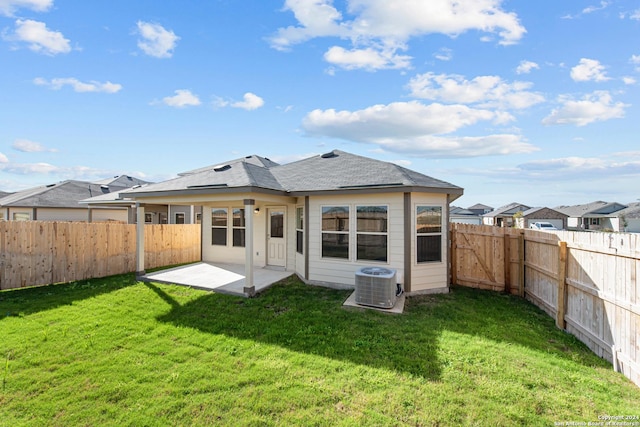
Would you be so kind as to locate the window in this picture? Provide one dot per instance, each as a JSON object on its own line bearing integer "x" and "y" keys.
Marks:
{"x": 429, "y": 233}
{"x": 148, "y": 218}
{"x": 300, "y": 230}
{"x": 179, "y": 218}
{"x": 219, "y": 226}
{"x": 238, "y": 227}
{"x": 371, "y": 233}
{"x": 198, "y": 218}
{"x": 335, "y": 231}
{"x": 21, "y": 216}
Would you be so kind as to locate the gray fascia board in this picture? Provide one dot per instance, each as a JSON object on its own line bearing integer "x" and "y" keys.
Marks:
{"x": 378, "y": 190}
{"x": 204, "y": 191}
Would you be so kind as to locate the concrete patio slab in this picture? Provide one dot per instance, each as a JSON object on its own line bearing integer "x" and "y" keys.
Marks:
{"x": 223, "y": 278}
{"x": 398, "y": 308}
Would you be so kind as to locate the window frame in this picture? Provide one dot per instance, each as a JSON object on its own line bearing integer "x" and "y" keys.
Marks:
{"x": 300, "y": 230}
{"x": 417, "y": 234}
{"x": 341, "y": 232}
{"x": 176, "y": 215}
{"x": 384, "y": 233}
{"x": 241, "y": 228}
{"x": 220, "y": 227}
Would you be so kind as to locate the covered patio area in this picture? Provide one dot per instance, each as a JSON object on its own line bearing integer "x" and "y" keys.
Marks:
{"x": 223, "y": 278}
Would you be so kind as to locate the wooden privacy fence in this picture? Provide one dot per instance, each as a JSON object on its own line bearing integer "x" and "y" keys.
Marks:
{"x": 40, "y": 253}
{"x": 587, "y": 281}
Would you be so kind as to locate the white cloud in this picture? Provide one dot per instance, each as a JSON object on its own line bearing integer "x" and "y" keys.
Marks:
{"x": 593, "y": 8}
{"x": 369, "y": 59}
{"x": 635, "y": 59}
{"x": 628, "y": 80}
{"x": 486, "y": 91}
{"x": 78, "y": 86}
{"x": 581, "y": 167}
{"x": 155, "y": 40}
{"x": 525, "y": 67}
{"x": 386, "y": 27}
{"x": 589, "y": 70}
{"x": 415, "y": 128}
{"x": 27, "y": 146}
{"x": 635, "y": 15}
{"x": 39, "y": 38}
{"x": 8, "y": 7}
{"x": 444, "y": 54}
{"x": 250, "y": 102}
{"x": 29, "y": 168}
{"x": 594, "y": 107}
{"x": 182, "y": 98}
{"x": 3, "y": 158}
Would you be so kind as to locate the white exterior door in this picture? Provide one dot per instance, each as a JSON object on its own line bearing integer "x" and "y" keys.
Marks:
{"x": 276, "y": 239}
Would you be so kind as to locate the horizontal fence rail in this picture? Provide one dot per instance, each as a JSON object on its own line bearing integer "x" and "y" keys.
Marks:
{"x": 587, "y": 281}
{"x": 34, "y": 253}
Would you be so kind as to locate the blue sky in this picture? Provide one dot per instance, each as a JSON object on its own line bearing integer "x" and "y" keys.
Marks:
{"x": 534, "y": 102}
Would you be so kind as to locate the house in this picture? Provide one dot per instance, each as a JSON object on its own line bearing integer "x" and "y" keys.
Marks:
{"x": 480, "y": 209}
{"x": 464, "y": 216}
{"x": 558, "y": 219}
{"x": 154, "y": 214}
{"x": 630, "y": 218}
{"x": 503, "y": 216}
{"x": 321, "y": 218}
{"x": 594, "y": 216}
{"x": 61, "y": 201}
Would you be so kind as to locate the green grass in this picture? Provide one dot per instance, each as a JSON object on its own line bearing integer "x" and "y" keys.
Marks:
{"x": 119, "y": 352}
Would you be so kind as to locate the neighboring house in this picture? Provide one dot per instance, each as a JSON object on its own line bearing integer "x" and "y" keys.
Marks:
{"x": 464, "y": 216}
{"x": 630, "y": 218}
{"x": 154, "y": 214}
{"x": 323, "y": 218}
{"x": 595, "y": 216}
{"x": 503, "y": 216}
{"x": 61, "y": 201}
{"x": 480, "y": 209}
{"x": 558, "y": 219}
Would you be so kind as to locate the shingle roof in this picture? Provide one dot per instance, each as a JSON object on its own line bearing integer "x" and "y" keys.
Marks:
{"x": 598, "y": 208}
{"x": 65, "y": 194}
{"x": 509, "y": 209}
{"x": 332, "y": 171}
{"x": 253, "y": 159}
{"x": 479, "y": 206}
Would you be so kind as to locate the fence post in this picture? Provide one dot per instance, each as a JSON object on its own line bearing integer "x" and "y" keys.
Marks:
{"x": 562, "y": 285}
{"x": 521, "y": 262}
{"x": 507, "y": 262}
{"x": 454, "y": 254}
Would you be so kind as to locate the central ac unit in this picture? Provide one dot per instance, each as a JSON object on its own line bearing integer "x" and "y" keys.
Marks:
{"x": 376, "y": 286}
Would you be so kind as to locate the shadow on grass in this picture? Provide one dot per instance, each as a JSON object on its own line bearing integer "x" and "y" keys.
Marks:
{"x": 25, "y": 301}
{"x": 312, "y": 320}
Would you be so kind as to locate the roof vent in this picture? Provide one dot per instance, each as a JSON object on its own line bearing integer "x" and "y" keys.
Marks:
{"x": 222, "y": 168}
{"x": 329, "y": 155}
{"x": 50, "y": 185}
{"x": 104, "y": 187}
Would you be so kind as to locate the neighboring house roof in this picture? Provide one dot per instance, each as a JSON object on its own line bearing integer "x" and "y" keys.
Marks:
{"x": 508, "y": 210}
{"x": 4, "y": 193}
{"x": 597, "y": 209}
{"x": 539, "y": 210}
{"x": 330, "y": 172}
{"x": 479, "y": 206}
{"x": 65, "y": 194}
{"x": 122, "y": 181}
{"x": 455, "y": 210}
{"x": 632, "y": 211}
{"x": 253, "y": 159}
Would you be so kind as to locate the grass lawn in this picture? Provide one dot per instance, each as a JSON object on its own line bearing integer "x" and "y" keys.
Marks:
{"x": 119, "y": 352}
